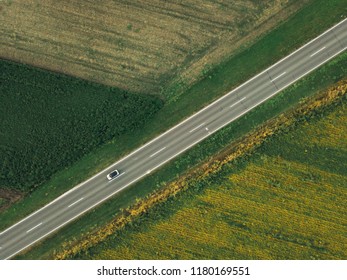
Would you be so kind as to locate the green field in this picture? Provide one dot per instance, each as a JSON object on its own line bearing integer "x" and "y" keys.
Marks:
{"x": 48, "y": 121}
{"x": 283, "y": 203}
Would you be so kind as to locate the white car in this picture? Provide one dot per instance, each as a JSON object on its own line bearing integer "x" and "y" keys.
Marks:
{"x": 113, "y": 174}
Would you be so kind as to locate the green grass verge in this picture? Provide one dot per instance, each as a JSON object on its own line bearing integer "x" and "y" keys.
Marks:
{"x": 239, "y": 68}
{"x": 319, "y": 79}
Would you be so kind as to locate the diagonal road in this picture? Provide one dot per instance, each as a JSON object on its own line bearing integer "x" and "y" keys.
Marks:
{"x": 174, "y": 141}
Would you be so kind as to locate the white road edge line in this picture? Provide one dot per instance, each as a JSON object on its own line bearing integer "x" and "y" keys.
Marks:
{"x": 75, "y": 202}
{"x": 280, "y": 75}
{"x": 157, "y": 152}
{"x": 317, "y": 51}
{"x": 237, "y": 102}
{"x": 161, "y": 135}
{"x": 105, "y": 198}
{"x": 34, "y": 227}
{"x": 200, "y": 125}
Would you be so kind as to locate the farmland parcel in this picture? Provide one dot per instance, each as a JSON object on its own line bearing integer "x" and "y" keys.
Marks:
{"x": 135, "y": 45}
{"x": 49, "y": 121}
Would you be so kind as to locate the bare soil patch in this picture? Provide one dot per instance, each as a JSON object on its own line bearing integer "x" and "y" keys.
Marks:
{"x": 8, "y": 197}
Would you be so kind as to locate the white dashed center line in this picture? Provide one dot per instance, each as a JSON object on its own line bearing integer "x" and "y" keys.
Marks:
{"x": 280, "y": 75}
{"x": 34, "y": 227}
{"x": 317, "y": 51}
{"x": 200, "y": 125}
{"x": 157, "y": 152}
{"x": 75, "y": 202}
{"x": 237, "y": 102}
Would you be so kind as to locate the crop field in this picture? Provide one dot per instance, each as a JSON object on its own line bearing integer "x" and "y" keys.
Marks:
{"x": 48, "y": 121}
{"x": 135, "y": 45}
{"x": 285, "y": 203}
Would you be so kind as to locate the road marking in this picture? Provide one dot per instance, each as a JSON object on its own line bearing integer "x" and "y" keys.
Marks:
{"x": 75, "y": 202}
{"x": 237, "y": 102}
{"x": 34, "y": 227}
{"x": 200, "y": 125}
{"x": 317, "y": 51}
{"x": 280, "y": 75}
{"x": 177, "y": 125}
{"x": 157, "y": 152}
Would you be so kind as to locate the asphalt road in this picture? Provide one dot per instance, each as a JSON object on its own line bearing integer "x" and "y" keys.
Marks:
{"x": 174, "y": 141}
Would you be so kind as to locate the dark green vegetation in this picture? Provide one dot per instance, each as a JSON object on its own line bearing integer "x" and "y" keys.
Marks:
{"x": 48, "y": 121}
{"x": 288, "y": 36}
